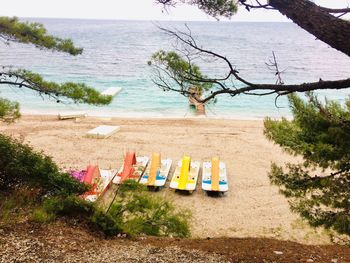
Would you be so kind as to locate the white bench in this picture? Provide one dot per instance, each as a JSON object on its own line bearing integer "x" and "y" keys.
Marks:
{"x": 102, "y": 131}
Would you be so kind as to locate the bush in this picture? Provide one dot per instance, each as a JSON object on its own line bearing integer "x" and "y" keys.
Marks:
{"x": 106, "y": 223}
{"x": 42, "y": 216}
{"x": 9, "y": 111}
{"x": 15, "y": 206}
{"x": 75, "y": 207}
{"x": 134, "y": 212}
{"x": 137, "y": 212}
{"x": 68, "y": 206}
{"x": 20, "y": 164}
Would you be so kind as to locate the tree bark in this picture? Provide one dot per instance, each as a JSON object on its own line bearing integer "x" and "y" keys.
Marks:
{"x": 317, "y": 21}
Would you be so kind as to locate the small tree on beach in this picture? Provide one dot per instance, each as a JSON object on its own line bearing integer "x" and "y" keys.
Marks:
{"x": 12, "y": 30}
{"x": 318, "y": 188}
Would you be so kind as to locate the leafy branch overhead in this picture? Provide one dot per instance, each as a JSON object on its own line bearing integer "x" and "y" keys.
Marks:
{"x": 78, "y": 92}
{"x": 215, "y": 8}
{"x": 181, "y": 72}
{"x": 169, "y": 77}
{"x": 12, "y": 30}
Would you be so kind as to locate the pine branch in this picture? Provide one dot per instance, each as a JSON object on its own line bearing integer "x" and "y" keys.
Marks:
{"x": 219, "y": 84}
{"x": 76, "y": 92}
{"x": 12, "y": 30}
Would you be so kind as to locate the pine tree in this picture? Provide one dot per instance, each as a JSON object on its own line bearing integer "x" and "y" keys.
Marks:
{"x": 319, "y": 187}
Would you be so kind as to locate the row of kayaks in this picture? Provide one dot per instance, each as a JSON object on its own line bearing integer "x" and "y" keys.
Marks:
{"x": 154, "y": 174}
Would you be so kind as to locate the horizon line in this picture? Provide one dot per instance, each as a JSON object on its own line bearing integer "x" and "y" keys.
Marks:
{"x": 149, "y": 20}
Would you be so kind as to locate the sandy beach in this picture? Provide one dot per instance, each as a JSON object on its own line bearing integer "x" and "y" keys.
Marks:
{"x": 251, "y": 208}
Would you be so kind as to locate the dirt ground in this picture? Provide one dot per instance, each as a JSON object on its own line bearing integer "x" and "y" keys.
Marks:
{"x": 62, "y": 242}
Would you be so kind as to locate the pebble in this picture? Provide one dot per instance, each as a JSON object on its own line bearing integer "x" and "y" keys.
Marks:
{"x": 21, "y": 248}
{"x": 278, "y": 252}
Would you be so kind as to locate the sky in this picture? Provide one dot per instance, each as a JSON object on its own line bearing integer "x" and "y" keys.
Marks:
{"x": 131, "y": 10}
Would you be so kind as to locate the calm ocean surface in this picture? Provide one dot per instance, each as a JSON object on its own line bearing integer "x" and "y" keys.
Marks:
{"x": 116, "y": 54}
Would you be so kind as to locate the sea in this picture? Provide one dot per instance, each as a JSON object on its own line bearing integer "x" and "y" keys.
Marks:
{"x": 116, "y": 55}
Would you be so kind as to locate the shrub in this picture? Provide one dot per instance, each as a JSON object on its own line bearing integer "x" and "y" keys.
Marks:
{"x": 20, "y": 164}
{"x": 15, "y": 206}
{"x": 9, "y": 111}
{"x": 42, "y": 216}
{"x": 75, "y": 207}
{"x": 68, "y": 206}
{"x": 106, "y": 223}
{"x": 137, "y": 212}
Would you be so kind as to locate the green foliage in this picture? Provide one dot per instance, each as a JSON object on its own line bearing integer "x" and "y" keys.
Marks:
{"x": 184, "y": 74}
{"x": 9, "y": 111}
{"x": 215, "y": 8}
{"x": 42, "y": 216}
{"x": 137, "y": 211}
{"x": 21, "y": 165}
{"x": 318, "y": 188}
{"x": 11, "y": 29}
{"x": 75, "y": 207}
{"x": 106, "y": 223}
{"x": 14, "y": 206}
{"x": 78, "y": 92}
{"x": 130, "y": 186}
{"x": 134, "y": 212}
{"x": 68, "y": 206}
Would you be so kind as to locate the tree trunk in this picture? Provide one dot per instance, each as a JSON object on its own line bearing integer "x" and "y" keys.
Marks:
{"x": 326, "y": 27}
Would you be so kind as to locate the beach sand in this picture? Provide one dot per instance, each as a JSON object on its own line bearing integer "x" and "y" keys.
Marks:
{"x": 251, "y": 208}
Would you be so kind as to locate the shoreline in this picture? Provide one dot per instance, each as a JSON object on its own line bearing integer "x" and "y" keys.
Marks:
{"x": 152, "y": 116}
{"x": 251, "y": 208}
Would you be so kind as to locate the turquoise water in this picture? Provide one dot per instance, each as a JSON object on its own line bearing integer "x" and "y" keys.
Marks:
{"x": 116, "y": 54}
